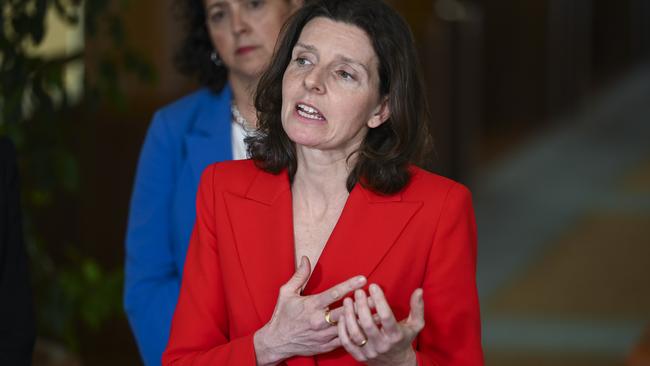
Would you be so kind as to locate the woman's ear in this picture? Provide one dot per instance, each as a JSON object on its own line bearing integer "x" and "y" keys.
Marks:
{"x": 380, "y": 115}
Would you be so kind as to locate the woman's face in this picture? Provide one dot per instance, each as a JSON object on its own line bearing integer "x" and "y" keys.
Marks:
{"x": 244, "y": 32}
{"x": 330, "y": 89}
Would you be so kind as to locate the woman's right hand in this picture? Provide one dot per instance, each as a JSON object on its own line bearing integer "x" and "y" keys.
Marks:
{"x": 298, "y": 326}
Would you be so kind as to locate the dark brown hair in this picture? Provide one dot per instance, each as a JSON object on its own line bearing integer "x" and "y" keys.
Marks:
{"x": 383, "y": 159}
{"x": 192, "y": 58}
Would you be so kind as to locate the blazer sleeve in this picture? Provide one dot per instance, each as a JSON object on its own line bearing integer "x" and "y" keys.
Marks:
{"x": 452, "y": 332}
{"x": 152, "y": 281}
{"x": 199, "y": 334}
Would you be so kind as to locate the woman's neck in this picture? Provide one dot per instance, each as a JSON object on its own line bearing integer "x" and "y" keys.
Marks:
{"x": 243, "y": 90}
{"x": 321, "y": 176}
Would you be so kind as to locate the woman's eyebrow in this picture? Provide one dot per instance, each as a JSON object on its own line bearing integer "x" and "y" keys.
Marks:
{"x": 218, "y": 3}
{"x": 354, "y": 62}
{"x": 308, "y": 47}
{"x": 340, "y": 57}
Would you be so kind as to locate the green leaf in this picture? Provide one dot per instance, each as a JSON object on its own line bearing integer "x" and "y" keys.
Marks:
{"x": 67, "y": 171}
{"x": 40, "y": 198}
{"x": 91, "y": 271}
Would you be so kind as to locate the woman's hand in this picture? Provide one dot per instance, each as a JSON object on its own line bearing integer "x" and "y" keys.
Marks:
{"x": 298, "y": 326}
{"x": 390, "y": 345}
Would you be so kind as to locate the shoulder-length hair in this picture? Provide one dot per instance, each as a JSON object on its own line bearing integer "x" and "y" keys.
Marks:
{"x": 192, "y": 58}
{"x": 383, "y": 159}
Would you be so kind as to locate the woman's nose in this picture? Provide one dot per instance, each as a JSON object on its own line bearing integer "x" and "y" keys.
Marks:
{"x": 239, "y": 21}
{"x": 314, "y": 80}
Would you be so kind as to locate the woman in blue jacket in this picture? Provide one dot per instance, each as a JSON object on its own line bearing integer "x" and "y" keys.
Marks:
{"x": 226, "y": 47}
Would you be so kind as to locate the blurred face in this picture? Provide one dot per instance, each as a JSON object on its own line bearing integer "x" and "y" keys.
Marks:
{"x": 244, "y": 32}
{"x": 330, "y": 89}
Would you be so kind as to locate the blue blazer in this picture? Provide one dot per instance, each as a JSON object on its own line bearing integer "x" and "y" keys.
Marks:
{"x": 183, "y": 139}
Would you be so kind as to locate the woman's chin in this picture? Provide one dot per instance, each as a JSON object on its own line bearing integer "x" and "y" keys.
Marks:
{"x": 302, "y": 136}
{"x": 305, "y": 143}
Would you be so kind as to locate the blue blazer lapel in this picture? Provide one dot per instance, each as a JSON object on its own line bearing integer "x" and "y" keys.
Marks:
{"x": 209, "y": 141}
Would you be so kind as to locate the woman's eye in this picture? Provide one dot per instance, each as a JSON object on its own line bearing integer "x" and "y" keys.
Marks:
{"x": 254, "y": 4}
{"x": 301, "y": 61}
{"x": 216, "y": 17}
{"x": 345, "y": 75}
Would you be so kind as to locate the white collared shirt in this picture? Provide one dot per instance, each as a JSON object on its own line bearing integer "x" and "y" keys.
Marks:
{"x": 237, "y": 135}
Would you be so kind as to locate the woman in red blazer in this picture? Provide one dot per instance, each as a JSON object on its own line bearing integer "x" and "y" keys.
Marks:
{"x": 342, "y": 121}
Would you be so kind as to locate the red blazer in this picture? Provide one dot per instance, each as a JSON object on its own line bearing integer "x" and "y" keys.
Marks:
{"x": 242, "y": 251}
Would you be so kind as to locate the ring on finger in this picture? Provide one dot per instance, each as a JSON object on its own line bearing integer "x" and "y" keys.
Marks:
{"x": 363, "y": 343}
{"x": 328, "y": 318}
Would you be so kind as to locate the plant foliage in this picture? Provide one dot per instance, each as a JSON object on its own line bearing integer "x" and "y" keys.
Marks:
{"x": 72, "y": 289}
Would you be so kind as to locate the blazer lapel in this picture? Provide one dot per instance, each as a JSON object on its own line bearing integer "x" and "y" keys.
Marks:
{"x": 262, "y": 224}
{"x": 209, "y": 140}
{"x": 367, "y": 228}
{"x": 263, "y": 229}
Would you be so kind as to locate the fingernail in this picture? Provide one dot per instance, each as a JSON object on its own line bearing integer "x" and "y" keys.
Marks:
{"x": 373, "y": 288}
{"x": 361, "y": 279}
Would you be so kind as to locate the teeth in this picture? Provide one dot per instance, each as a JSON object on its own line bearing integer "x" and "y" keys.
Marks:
{"x": 308, "y": 112}
{"x": 310, "y": 116}
{"x": 307, "y": 108}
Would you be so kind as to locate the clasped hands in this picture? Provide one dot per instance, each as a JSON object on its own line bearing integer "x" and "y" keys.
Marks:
{"x": 305, "y": 326}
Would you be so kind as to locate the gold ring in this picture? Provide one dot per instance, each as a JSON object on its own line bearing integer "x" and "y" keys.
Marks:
{"x": 328, "y": 318}
{"x": 363, "y": 343}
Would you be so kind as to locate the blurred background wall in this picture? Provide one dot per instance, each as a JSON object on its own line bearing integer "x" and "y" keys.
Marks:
{"x": 542, "y": 107}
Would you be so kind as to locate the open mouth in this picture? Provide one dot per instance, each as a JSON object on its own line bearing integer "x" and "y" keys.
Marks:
{"x": 308, "y": 111}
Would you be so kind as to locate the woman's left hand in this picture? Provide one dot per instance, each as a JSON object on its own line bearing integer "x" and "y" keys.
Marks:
{"x": 390, "y": 345}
